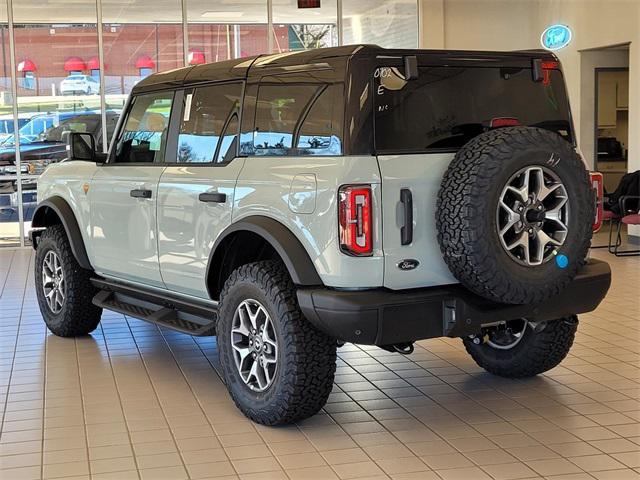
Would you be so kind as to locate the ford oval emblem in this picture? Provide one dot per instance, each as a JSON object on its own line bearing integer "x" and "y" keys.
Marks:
{"x": 408, "y": 264}
{"x": 556, "y": 37}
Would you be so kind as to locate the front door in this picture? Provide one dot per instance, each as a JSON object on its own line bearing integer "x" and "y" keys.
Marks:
{"x": 196, "y": 190}
{"x": 124, "y": 193}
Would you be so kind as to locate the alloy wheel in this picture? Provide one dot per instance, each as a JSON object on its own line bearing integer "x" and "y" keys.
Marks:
{"x": 255, "y": 346}
{"x": 53, "y": 282}
{"x": 532, "y": 215}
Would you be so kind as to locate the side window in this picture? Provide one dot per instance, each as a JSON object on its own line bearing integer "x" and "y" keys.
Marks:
{"x": 316, "y": 135}
{"x": 144, "y": 135}
{"x": 209, "y": 127}
{"x": 295, "y": 120}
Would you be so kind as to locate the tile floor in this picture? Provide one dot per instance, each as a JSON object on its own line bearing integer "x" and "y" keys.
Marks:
{"x": 134, "y": 401}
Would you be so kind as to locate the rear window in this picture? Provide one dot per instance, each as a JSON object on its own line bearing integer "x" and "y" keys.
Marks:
{"x": 447, "y": 106}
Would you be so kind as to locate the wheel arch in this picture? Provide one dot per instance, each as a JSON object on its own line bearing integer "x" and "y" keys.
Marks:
{"x": 56, "y": 211}
{"x": 269, "y": 234}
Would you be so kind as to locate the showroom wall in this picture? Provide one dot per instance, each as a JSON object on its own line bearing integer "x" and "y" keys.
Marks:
{"x": 518, "y": 24}
{"x": 70, "y": 64}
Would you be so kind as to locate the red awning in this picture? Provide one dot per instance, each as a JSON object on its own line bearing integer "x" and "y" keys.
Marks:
{"x": 93, "y": 63}
{"x": 195, "y": 57}
{"x": 145, "y": 61}
{"x": 74, "y": 64}
{"x": 26, "y": 66}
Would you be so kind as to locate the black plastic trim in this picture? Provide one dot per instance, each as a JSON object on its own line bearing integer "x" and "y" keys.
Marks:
{"x": 213, "y": 197}
{"x": 68, "y": 219}
{"x": 406, "y": 230}
{"x": 385, "y": 317}
{"x": 285, "y": 243}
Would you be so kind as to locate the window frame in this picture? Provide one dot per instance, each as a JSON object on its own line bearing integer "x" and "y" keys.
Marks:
{"x": 122, "y": 121}
{"x": 171, "y": 152}
{"x": 322, "y": 77}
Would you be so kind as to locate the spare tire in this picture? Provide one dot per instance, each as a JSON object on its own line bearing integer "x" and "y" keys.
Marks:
{"x": 514, "y": 215}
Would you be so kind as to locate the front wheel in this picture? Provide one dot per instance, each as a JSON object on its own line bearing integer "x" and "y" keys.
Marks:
{"x": 520, "y": 349}
{"x": 63, "y": 287}
{"x": 278, "y": 367}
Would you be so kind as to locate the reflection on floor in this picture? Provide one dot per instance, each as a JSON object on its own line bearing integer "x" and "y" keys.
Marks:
{"x": 133, "y": 401}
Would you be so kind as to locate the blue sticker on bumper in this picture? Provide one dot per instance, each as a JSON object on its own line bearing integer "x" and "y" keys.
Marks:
{"x": 562, "y": 261}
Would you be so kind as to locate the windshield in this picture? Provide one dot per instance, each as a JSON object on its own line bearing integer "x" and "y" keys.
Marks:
{"x": 31, "y": 130}
{"x": 447, "y": 106}
{"x": 81, "y": 123}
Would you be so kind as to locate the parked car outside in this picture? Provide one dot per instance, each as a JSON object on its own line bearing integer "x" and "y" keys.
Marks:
{"x": 7, "y": 124}
{"x": 35, "y": 156}
{"x": 80, "y": 85}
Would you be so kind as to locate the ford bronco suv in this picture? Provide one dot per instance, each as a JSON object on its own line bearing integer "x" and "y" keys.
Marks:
{"x": 290, "y": 203}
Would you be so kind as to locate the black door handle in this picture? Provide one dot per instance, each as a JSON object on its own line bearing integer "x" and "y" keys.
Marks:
{"x": 406, "y": 231}
{"x": 140, "y": 193}
{"x": 213, "y": 197}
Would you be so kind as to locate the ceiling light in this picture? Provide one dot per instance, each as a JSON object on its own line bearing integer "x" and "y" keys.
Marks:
{"x": 222, "y": 15}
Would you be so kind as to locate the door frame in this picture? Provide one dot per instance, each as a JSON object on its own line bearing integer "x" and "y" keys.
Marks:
{"x": 596, "y": 73}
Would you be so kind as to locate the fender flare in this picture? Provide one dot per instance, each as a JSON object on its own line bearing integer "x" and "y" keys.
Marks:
{"x": 68, "y": 219}
{"x": 285, "y": 243}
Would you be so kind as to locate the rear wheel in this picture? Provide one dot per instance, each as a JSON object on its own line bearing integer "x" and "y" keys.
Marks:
{"x": 277, "y": 366}
{"x": 63, "y": 287}
{"x": 518, "y": 348}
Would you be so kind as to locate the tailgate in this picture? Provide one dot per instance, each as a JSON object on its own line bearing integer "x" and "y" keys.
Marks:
{"x": 421, "y": 175}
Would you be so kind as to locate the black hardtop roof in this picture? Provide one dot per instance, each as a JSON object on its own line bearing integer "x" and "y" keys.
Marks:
{"x": 240, "y": 68}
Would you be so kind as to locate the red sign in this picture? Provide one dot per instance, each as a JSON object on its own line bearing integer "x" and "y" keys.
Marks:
{"x": 308, "y": 3}
{"x": 597, "y": 183}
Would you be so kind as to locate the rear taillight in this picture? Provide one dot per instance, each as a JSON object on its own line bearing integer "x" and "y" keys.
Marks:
{"x": 355, "y": 220}
{"x": 547, "y": 66}
{"x": 597, "y": 183}
{"x": 504, "y": 122}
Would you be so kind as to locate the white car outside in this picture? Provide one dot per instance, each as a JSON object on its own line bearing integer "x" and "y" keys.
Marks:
{"x": 82, "y": 84}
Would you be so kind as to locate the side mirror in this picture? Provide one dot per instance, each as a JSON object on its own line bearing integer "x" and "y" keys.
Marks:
{"x": 82, "y": 146}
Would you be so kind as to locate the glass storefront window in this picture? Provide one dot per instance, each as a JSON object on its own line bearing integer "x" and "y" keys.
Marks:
{"x": 58, "y": 73}
{"x": 296, "y": 28}
{"x": 220, "y": 30}
{"x": 389, "y": 24}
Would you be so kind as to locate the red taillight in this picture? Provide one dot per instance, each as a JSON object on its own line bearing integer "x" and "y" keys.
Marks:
{"x": 355, "y": 220}
{"x": 547, "y": 66}
{"x": 597, "y": 182}
{"x": 504, "y": 122}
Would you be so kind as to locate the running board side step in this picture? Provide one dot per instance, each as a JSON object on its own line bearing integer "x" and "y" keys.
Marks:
{"x": 187, "y": 317}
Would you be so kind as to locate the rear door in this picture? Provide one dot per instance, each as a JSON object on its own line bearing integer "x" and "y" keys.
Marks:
{"x": 196, "y": 190}
{"x": 420, "y": 124}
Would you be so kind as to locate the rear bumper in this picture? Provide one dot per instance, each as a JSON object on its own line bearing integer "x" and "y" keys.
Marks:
{"x": 384, "y": 317}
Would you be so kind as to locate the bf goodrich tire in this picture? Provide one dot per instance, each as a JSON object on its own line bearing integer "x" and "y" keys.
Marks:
{"x": 514, "y": 215}
{"x": 63, "y": 287}
{"x": 538, "y": 349}
{"x": 278, "y": 368}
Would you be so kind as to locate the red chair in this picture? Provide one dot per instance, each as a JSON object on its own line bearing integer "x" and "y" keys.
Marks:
{"x": 611, "y": 217}
{"x": 632, "y": 217}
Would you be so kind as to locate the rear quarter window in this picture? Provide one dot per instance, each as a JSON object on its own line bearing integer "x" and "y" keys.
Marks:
{"x": 447, "y": 106}
{"x": 295, "y": 120}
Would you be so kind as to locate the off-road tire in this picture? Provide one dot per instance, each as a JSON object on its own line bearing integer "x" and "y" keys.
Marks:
{"x": 306, "y": 357}
{"x": 78, "y": 315}
{"x": 466, "y": 218}
{"x": 536, "y": 353}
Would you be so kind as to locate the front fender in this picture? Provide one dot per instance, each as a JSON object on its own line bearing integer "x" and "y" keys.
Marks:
{"x": 56, "y": 210}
